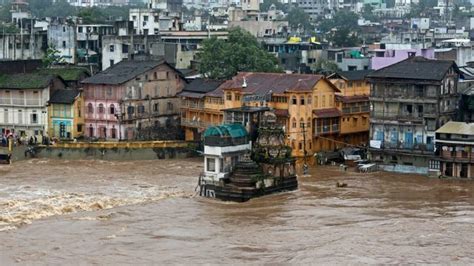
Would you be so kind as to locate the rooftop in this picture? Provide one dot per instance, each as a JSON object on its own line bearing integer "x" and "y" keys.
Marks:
{"x": 461, "y": 128}
{"x": 416, "y": 68}
{"x": 64, "y": 96}
{"x": 123, "y": 72}
{"x": 67, "y": 73}
{"x": 25, "y": 81}
{"x": 355, "y": 75}
{"x": 262, "y": 83}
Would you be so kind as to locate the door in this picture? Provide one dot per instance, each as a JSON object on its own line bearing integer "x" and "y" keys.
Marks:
{"x": 408, "y": 140}
{"x": 394, "y": 139}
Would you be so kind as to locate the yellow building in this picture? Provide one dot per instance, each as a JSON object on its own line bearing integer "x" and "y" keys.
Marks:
{"x": 353, "y": 103}
{"x": 66, "y": 115}
{"x": 306, "y": 105}
{"x": 200, "y": 108}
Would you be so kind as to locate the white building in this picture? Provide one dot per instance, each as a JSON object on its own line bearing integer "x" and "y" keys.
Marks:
{"x": 23, "y": 103}
{"x": 62, "y": 36}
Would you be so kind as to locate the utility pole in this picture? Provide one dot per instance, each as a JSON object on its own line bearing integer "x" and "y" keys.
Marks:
{"x": 305, "y": 165}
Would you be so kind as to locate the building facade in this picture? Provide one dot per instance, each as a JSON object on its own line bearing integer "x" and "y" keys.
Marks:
{"x": 23, "y": 103}
{"x": 409, "y": 101}
{"x": 66, "y": 114}
{"x": 454, "y": 150}
{"x": 133, "y": 100}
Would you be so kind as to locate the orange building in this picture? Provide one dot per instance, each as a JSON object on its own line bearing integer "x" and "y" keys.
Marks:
{"x": 306, "y": 105}
{"x": 353, "y": 103}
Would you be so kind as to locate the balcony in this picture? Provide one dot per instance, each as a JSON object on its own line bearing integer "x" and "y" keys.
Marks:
{"x": 355, "y": 109}
{"x": 193, "y": 105}
{"x": 327, "y": 129}
{"x": 196, "y": 124}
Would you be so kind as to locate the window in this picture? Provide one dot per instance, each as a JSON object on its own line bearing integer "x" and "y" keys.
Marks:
{"x": 90, "y": 109}
{"x": 79, "y": 128}
{"x": 113, "y": 133}
{"x": 293, "y": 100}
{"x": 112, "y": 62}
{"x": 111, "y": 48}
{"x": 302, "y": 123}
{"x": 34, "y": 118}
{"x": 316, "y": 101}
{"x": 109, "y": 91}
{"x": 309, "y": 123}
{"x": 323, "y": 104}
{"x": 228, "y": 96}
{"x": 79, "y": 29}
{"x": 349, "y": 84}
{"x": 124, "y": 48}
{"x": 434, "y": 164}
{"x": 130, "y": 110}
{"x": 145, "y": 18}
{"x": 112, "y": 109}
{"x": 170, "y": 106}
{"x": 237, "y": 97}
{"x": 101, "y": 109}
{"x": 293, "y": 123}
{"x": 156, "y": 31}
{"x": 309, "y": 100}
{"x": 134, "y": 17}
{"x": 211, "y": 164}
{"x": 302, "y": 100}
{"x": 141, "y": 109}
{"x": 155, "y": 76}
{"x": 156, "y": 107}
{"x": 64, "y": 44}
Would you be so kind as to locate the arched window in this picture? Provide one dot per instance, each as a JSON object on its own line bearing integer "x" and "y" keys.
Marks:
{"x": 293, "y": 100}
{"x": 323, "y": 104}
{"x": 301, "y": 123}
{"x": 293, "y": 123}
{"x": 141, "y": 109}
{"x": 308, "y": 125}
{"x": 309, "y": 100}
{"x": 112, "y": 109}
{"x": 302, "y": 100}
{"x": 101, "y": 109}
{"x": 90, "y": 109}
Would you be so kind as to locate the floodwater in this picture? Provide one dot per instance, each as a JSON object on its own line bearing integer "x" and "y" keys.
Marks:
{"x": 97, "y": 212}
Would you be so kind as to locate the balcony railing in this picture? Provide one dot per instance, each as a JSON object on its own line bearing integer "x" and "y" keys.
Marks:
{"x": 196, "y": 124}
{"x": 327, "y": 129}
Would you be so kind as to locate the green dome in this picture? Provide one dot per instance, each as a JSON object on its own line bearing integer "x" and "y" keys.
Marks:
{"x": 229, "y": 130}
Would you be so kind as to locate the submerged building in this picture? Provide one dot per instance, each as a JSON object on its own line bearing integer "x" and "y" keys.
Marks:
{"x": 409, "y": 101}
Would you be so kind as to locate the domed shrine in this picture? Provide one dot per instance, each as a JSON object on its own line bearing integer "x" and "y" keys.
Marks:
{"x": 238, "y": 168}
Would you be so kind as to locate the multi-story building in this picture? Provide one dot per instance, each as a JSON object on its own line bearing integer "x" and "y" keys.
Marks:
{"x": 353, "y": 103}
{"x": 409, "y": 101}
{"x": 66, "y": 114}
{"x": 454, "y": 150}
{"x": 133, "y": 100}
{"x": 199, "y": 110}
{"x": 62, "y": 37}
{"x": 89, "y": 43}
{"x": 314, "y": 8}
{"x": 303, "y": 104}
{"x": 23, "y": 102}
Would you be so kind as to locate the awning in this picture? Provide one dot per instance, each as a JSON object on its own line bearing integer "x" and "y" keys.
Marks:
{"x": 281, "y": 112}
{"x": 329, "y": 112}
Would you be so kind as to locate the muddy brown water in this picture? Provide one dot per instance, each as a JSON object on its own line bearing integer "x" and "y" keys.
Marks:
{"x": 144, "y": 212}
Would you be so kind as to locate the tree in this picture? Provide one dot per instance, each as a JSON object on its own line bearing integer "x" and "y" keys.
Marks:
{"x": 267, "y": 3}
{"x": 297, "y": 18}
{"x": 367, "y": 13}
{"x": 341, "y": 29}
{"x": 52, "y": 57}
{"x": 325, "y": 67}
{"x": 221, "y": 59}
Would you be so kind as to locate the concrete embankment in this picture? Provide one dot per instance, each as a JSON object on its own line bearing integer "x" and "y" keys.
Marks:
{"x": 139, "y": 150}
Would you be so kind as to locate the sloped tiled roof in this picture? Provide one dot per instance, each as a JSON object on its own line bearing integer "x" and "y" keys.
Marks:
{"x": 356, "y": 74}
{"x": 262, "y": 83}
{"x": 26, "y": 81}
{"x": 64, "y": 96}
{"x": 202, "y": 85}
{"x": 124, "y": 71}
{"x": 328, "y": 112}
{"x": 416, "y": 68}
{"x": 66, "y": 73}
{"x": 453, "y": 127}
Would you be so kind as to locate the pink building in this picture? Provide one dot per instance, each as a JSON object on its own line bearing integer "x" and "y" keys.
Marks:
{"x": 132, "y": 100}
{"x": 386, "y": 57}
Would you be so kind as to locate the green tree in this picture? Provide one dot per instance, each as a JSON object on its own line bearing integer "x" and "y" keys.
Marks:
{"x": 221, "y": 59}
{"x": 297, "y": 18}
{"x": 267, "y": 3}
{"x": 367, "y": 13}
{"x": 341, "y": 30}
{"x": 52, "y": 57}
{"x": 325, "y": 67}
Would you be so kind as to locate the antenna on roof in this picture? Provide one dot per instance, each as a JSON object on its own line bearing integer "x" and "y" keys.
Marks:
{"x": 244, "y": 84}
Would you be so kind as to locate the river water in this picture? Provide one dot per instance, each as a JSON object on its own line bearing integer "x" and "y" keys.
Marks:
{"x": 97, "y": 212}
